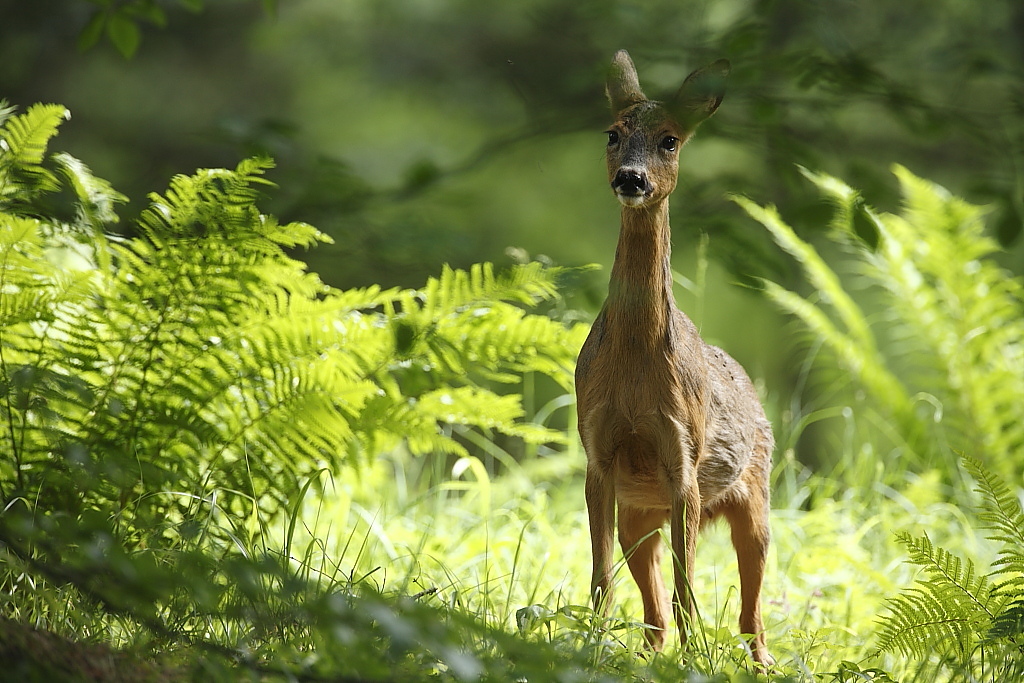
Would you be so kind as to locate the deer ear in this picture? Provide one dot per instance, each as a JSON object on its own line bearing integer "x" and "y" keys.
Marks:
{"x": 623, "y": 85}
{"x": 700, "y": 94}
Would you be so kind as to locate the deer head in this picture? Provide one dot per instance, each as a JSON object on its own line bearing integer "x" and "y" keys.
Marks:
{"x": 645, "y": 139}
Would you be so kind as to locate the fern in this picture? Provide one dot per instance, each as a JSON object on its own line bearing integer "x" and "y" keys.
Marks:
{"x": 976, "y": 619}
{"x": 166, "y": 399}
{"x": 955, "y": 333}
{"x": 967, "y": 311}
{"x": 199, "y": 356}
{"x": 953, "y": 606}
{"x": 818, "y": 273}
{"x": 1002, "y": 515}
{"x": 23, "y": 141}
{"x": 96, "y": 198}
{"x": 850, "y": 338}
{"x": 954, "y": 336}
{"x": 1009, "y": 624}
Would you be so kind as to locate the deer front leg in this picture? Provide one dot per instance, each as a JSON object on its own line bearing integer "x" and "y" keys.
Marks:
{"x": 684, "y": 526}
{"x": 600, "y": 494}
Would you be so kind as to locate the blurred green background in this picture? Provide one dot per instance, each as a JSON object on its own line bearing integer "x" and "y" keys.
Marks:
{"x": 423, "y": 132}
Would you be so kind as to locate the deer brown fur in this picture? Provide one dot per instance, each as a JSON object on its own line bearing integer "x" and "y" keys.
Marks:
{"x": 673, "y": 428}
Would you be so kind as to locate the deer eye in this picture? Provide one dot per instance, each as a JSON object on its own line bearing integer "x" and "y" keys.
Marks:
{"x": 669, "y": 143}
{"x": 613, "y": 137}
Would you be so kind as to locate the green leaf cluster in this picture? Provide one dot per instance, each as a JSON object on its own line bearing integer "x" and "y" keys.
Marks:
{"x": 943, "y": 372}
{"x": 201, "y": 352}
{"x": 166, "y": 399}
{"x": 447, "y": 342}
{"x": 951, "y": 349}
{"x": 120, "y": 21}
{"x": 969, "y": 622}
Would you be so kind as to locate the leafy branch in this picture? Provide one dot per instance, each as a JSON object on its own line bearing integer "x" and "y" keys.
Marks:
{"x": 120, "y": 21}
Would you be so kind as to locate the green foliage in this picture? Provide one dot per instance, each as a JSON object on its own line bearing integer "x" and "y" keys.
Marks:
{"x": 22, "y": 175}
{"x": 951, "y": 350}
{"x": 205, "y": 351}
{"x": 947, "y": 611}
{"x": 970, "y": 621}
{"x": 465, "y": 330}
{"x": 850, "y": 335}
{"x": 941, "y": 372}
{"x": 864, "y": 86}
{"x": 166, "y": 400}
{"x": 120, "y": 21}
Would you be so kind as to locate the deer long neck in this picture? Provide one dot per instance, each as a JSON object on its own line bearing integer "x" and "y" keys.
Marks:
{"x": 640, "y": 300}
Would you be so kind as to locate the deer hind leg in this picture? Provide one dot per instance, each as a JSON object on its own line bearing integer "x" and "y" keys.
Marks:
{"x": 641, "y": 544}
{"x": 748, "y": 520}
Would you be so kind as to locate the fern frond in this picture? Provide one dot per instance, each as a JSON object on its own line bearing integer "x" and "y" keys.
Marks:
{"x": 386, "y": 421}
{"x": 456, "y": 289}
{"x": 1001, "y": 513}
{"x": 477, "y": 407}
{"x": 472, "y": 322}
{"x": 503, "y": 339}
{"x": 866, "y": 366}
{"x": 958, "y": 578}
{"x": 918, "y": 624}
{"x": 818, "y": 273}
{"x": 844, "y": 197}
{"x": 847, "y": 332}
{"x": 25, "y": 296}
{"x": 1001, "y": 509}
{"x": 956, "y": 331}
{"x": 96, "y": 197}
{"x": 23, "y": 142}
{"x": 1009, "y": 624}
{"x": 961, "y": 310}
{"x": 6, "y": 112}
{"x": 951, "y": 607}
{"x": 26, "y": 137}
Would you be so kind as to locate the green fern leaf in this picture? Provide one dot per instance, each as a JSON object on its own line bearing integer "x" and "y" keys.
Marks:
{"x": 96, "y": 197}
{"x": 950, "y": 608}
{"x": 961, "y": 310}
{"x": 1009, "y": 624}
{"x": 1001, "y": 510}
{"x": 477, "y": 407}
{"x": 23, "y": 143}
{"x": 956, "y": 334}
{"x": 823, "y": 278}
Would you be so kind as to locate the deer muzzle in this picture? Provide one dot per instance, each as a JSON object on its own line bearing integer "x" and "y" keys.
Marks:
{"x": 631, "y": 186}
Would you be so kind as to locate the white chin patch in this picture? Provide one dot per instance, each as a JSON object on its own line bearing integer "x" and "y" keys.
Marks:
{"x": 632, "y": 200}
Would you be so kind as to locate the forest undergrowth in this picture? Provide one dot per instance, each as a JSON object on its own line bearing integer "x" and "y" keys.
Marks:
{"x": 221, "y": 467}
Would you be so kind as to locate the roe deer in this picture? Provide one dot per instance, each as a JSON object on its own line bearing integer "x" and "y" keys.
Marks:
{"x": 672, "y": 426}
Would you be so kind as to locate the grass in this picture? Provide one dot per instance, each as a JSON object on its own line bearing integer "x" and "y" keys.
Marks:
{"x": 513, "y": 551}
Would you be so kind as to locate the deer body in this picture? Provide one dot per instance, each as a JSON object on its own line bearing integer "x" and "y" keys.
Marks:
{"x": 672, "y": 426}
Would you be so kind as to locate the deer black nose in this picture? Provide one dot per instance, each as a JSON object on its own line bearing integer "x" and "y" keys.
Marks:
{"x": 631, "y": 182}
